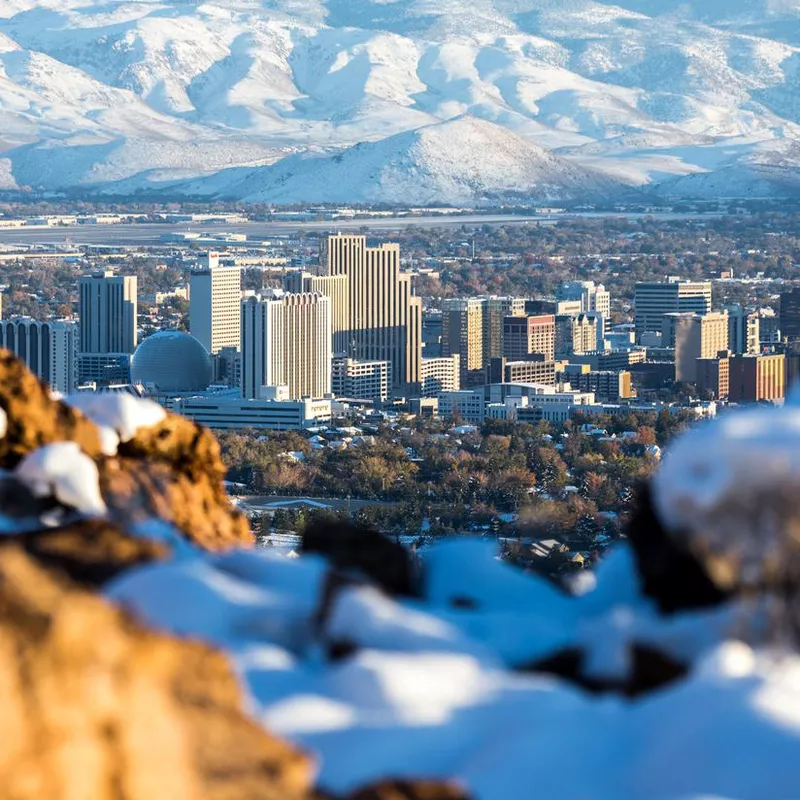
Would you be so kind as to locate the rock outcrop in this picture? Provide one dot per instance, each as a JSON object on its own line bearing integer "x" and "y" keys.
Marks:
{"x": 98, "y": 708}
{"x": 169, "y": 470}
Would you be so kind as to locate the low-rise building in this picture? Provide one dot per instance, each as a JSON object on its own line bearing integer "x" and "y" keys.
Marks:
{"x": 441, "y": 374}
{"x": 501, "y": 370}
{"x": 226, "y": 413}
{"x": 366, "y": 380}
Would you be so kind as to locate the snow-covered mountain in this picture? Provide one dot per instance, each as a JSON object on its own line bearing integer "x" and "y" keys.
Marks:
{"x": 412, "y": 101}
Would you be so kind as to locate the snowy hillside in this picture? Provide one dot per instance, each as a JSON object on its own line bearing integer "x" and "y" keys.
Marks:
{"x": 401, "y": 100}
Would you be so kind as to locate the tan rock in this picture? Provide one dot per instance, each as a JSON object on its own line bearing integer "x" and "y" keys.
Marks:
{"x": 34, "y": 418}
{"x": 97, "y": 708}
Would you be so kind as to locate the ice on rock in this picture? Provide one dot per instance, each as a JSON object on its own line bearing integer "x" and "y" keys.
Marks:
{"x": 122, "y": 413}
{"x": 64, "y": 471}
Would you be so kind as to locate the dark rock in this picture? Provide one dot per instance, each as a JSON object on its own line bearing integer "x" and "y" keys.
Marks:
{"x": 410, "y": 790}
{"x": 650, "y": 669}
{"x": 669, "y": 573}
{"x": 365, "y": 553}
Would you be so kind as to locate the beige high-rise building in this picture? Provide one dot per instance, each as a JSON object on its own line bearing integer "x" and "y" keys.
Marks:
{"x": 463, "y": 335}
{"x": 337, "y": 288}
{"x": 385, "y": 316}
{"x": 592, "y": 298}
{"x": 215, "y": 296}
{"x": 286, "y": 341}
{"x": 694, "y": 336}
{"x": 108, "y": 309}
{"x": 576, "y": 334}
{"x": 495, "y": 310}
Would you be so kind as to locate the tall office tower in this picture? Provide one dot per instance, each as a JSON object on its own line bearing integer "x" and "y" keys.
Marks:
{"x": 529, "y": 336}
{"x": 694, "y": 336}
{"x": 462, "y": 335}
{"x": 744, "y": 330}
{"x": 215, "y": 296}
{"x": 654, "y": 299}
{"x": 108, "y": 311}
{"x": 337, "y": 288}
{"x": 385, "y": 316}
{"x": 49, "y": 349}
{"x": 495, "y": 310}
{"x": 592, "y": 296}
{"x": 790, "y": 315}
{"x": 577, "y": 334}
{"x": 286, "y": 342}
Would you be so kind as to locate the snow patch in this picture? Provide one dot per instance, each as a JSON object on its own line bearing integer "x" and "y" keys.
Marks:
{"x": 65, "y": 472}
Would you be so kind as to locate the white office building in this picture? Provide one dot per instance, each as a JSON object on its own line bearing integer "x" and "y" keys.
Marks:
{"x": 49, "y": 349}
{"x": 215, "y": 296}
{"x": 286, "y": 341}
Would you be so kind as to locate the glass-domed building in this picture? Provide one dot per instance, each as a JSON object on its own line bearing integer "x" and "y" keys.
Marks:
{"x": 171, "y": 362}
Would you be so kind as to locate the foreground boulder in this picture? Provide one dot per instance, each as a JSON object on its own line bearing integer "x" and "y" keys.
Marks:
{"x": 96, "y": 707}
{"x": 147, "y": 465}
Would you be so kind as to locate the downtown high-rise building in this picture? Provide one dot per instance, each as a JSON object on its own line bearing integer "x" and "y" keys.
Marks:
{"x": 529, "y": 336}
{"x": 654, "y": 299}
{"x": 385, "y": 318}
{"x": 49, "y": 349}
{"x": 744, "y": 330}
{"x": 463, "y": 336}
{"x": 108, "y": 310}
{"x": 694, "y": 336}
{"x": 286, "y": 342}
{"x": 592, "y": 297}
{"x": 337, "y": 288}
{"x": 215, "y": 296}
{"x": 495, "y": 311}
{"x": 790, "y": 315}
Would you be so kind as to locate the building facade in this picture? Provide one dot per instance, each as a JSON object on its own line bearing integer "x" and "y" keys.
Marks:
{"x": 108, "y": 309}
{"x": 463, "y": 336}
{"x": 713, "y": 376}
{"x": 501, "y": 370}
{"x": 790, "y": 315}
{"x": 280, "y": 415}
{"x": 440, "y": 375}
{"x": 744, "y": 330}
{"x": 215, "y": 296}
{"x": 49, "y": 349}
{"x": 286, "y": 342}
{"x": 385, "y": 316}
{"x": 592, "y": 298}
{"x": 695, "y": 336}
{"x": 364, "y": 380}
{"x": 755, "y": 379}
{"x": 577, "y": 334}
{"x": 335, "y": 287}
{"x": 652, "y": 300}
{"x": 527, "y": 336}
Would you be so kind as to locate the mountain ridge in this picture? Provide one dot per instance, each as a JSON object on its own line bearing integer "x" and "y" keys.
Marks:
{"x": 240, "y": 98}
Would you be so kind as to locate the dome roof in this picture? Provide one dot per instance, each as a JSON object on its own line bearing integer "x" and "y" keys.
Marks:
{"x": 171, "y": 361}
